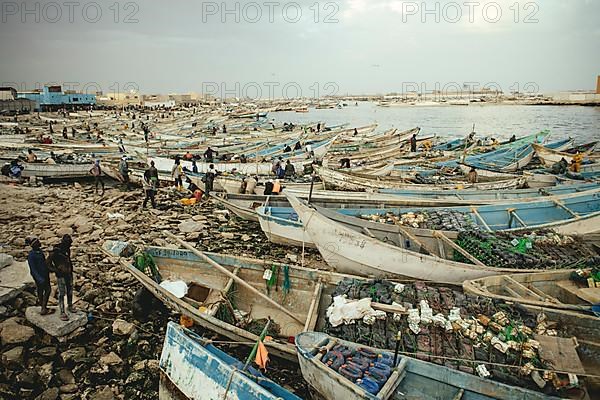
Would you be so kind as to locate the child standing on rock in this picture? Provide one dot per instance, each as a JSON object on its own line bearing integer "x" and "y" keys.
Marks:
{"x": 40, "y": 274}
{"x": 59, "y": 262}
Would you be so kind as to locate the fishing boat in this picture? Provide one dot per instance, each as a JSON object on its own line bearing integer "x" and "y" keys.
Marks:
{"x": 361, "y": 247}
{"x": 548, "y": 289}
{"x": 410, "y": 378}
{"x": 193, "y": 369}
{"x": 548, "y": 156}
{"x": 509, "y": 160}
{"x": 43, "y": 170}
{"x": 232, "y": 184}
{"x": 212, "y": 294}
{"x": 360, "y": 182}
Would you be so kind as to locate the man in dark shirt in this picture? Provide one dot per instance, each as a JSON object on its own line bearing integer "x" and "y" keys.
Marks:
{"x": 40, "y": 274}
{"x": 59, "y": 262}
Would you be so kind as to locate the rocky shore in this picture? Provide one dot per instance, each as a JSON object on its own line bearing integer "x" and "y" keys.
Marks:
{"x": 115, "y": 355}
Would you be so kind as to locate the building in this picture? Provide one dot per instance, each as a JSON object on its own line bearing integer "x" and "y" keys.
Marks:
{"x": 131, "y": 98}
{"x": 54, "y": 98}
{"x": 9, "y": 103}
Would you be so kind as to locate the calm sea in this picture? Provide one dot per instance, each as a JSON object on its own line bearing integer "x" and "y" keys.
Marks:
{"x": 499, "y": 121}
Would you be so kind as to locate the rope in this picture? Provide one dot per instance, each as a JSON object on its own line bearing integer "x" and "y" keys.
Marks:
{"x": 233, "y": 371}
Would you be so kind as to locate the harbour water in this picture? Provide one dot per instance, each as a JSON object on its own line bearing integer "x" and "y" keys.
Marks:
{"x": 499, "y": 121}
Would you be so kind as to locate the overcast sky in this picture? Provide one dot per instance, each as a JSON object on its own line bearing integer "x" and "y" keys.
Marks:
{"x": 349, "y": 46}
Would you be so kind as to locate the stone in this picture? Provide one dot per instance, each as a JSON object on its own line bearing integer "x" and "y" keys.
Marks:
{"x": 122, "y": 328}
{"x": 52, "y": 324}
{"x": 69, "y": 388}
{"x": 111, "y": 359}
{"x": 13, "y": 356}
{"x": 292, "y": 257}
{"x": 227, "y": 235}
{"x": 47, "y": 351}
{"x": 14, "y": 277}
{"x": 190, "y": 225}
{"x": 49, "y": 394}
{"x": 75, "y": 354}
{"x": 6, "y": 260}
{"x": 66, "y": 376}
{"x": 16, "y": 334}
{"x": 45, "y": 372}
{"x": 64, "y": 231}
{"x": 103, "y": 394}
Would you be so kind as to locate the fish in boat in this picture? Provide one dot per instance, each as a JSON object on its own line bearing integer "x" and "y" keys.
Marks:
{"x": 191, "y": 368}
{"x": 549, "y": 157}
{"x": 409, "y": 378}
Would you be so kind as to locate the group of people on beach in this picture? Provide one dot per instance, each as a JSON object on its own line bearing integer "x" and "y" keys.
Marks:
{"x": 58, "y": 262}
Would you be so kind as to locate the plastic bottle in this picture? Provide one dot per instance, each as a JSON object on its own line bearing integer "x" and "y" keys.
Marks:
{"x": 366, "y": 353}
{"x": 350, "y": 372}
{"x": 385, "y": 358}
{"x": 381, "y": 367}
{"x": 369, "y": 385}
{"x": 376, "y": 376}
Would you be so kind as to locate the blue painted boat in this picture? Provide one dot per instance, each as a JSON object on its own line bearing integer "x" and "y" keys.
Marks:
{"x": 410, "y": 378}
{"x": 191, "y": 366}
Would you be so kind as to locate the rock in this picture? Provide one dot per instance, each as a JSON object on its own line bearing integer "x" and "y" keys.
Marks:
{"x": 13, "y": 356}
{"x": 292, "y": 257}
{"x": 49, "y": 394}
{"x": 246, "y": 238}
{"x": 69, "y": 388}
{"x": 122, "y": 328}
{"x": 28, "y": 378}
{"x": 75, "y": 354}
{"x": 103, "y": 394}
{"x": 45, "y": 372}
{"x": 14, "y": 278}
{"x": 47, "y": 351}
{"x": 66, "y": 376}
{"x": 64, "y": 231}
{"x": 6, "y": 260}
{"x": 227, "y": 235}
{"x": 15, "y": 334}
{"x": 52, "y": 324}
{"x": 190, "y": 225}
{"x": 111, "y": 359}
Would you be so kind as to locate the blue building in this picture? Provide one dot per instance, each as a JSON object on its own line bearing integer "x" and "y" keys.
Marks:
{"x": 54, "y": 98}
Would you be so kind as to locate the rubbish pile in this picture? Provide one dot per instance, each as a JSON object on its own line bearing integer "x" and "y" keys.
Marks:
{"x": 370, "y": 370}
{"x": 533, "y": 250}
{"x": 438, "y": 220}
{"x": 447, "y": 327}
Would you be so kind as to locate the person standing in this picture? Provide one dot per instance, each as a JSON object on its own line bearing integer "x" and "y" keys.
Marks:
{"x": 177, "y": 173}
{"x": 31, "y": 157}
{"x": 209, "y": 179}
{"x": 251, "y": 183}
{"x": 96, "y": 171}
{"x": 413, "y": 143}
{"x": 472, "y": 176}
{"x": 40, "y": 274}
{"x": 194, "y": 166}
{"x": 59, "y": 262}
{"x": 150, "y": 185}
{"x": 124, "y": 171}
{"x": 289, "y": 171}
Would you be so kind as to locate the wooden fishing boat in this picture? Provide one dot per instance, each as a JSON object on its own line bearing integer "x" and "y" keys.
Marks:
{"x": 548, "y": 289}
{"x": 43, "y": 170}
{"x": 193, "y": 369}
{"x": 411, "y": 378}
{"x": 209, "y": 289}
{"x": 232, "y": 184}
{"x": 360, "y": 182}
{"x": 548, "y": 156}
{"x": 366, "y": 248}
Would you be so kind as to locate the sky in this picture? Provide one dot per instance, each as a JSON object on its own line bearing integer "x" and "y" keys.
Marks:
{"x": 301, "y": 48}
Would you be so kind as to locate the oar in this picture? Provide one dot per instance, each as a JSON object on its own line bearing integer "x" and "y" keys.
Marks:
{"x": 231, "y": 275}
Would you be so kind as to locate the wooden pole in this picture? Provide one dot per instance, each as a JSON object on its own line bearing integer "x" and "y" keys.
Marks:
{"x": 232, "y": 276}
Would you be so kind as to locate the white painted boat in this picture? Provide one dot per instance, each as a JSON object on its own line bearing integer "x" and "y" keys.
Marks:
{"x": 348, "y": 251}
{"x": 360, "y": 182}
{"x": 283, "y": 231}
{"x": 43, "y": 170}
{"x": 548, "y": 157}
